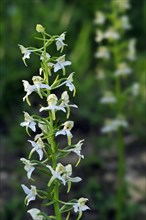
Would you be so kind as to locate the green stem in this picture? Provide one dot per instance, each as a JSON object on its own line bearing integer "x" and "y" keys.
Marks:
{"x": 120, "y": 138}
{"x": 121, "y": 172}
{"x": 51, "y": 141}
{"x": 54, "y": 163}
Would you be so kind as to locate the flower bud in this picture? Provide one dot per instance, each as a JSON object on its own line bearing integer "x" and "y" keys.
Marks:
{"x": 40, "y": 28}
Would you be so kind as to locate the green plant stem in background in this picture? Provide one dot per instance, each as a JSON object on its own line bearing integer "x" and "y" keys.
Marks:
{"x": 120, "y": 138}
{"x": 121, "y": 172}
{"x": 120, "y": 146}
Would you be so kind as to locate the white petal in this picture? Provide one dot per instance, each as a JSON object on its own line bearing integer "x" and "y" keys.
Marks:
{"x": 45, "y": 108}
{"x": 59, "y": 108}
{"x": 85, "y": 207}
{"x": 58, "y": 45}
{"x": 51, "y": 169}
{"x": 74, "y": 106}
{"x": 40, "y": 152}
{"x": 33, "y": 212}
{"x": 30, "y": 198}
{"x": 44, "y": 86}
{"x": 62, "y": 179}
{"x": 62, "y": 132}
{"x": 75, "y": 206}
{"x": 23, "y": 124}
{"x": 57, "y": 67}
{"x": 33, "y": 144}
{"x": 66, "y": 63}
{"x": 32, "y": 126}
{"x": 70, "y": 85}
{"x": 75, "y": 179}
{"x": 30, "y": 172}
{"x": 26, "y": 189}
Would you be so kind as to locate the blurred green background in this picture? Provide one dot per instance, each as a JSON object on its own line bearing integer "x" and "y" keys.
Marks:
{"x": 17, "y": 26}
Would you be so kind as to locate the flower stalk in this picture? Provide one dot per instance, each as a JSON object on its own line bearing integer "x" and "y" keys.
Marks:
{"x": 46, "y": 154}
{"x": 119, "y": 56}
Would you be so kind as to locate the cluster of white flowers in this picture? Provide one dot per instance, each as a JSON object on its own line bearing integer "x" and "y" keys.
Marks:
{"x": 48, "y": 126}
{"x": 111, "y": 48}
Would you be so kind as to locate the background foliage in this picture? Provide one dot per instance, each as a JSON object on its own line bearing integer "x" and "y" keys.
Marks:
{"x": 18, "y": 21}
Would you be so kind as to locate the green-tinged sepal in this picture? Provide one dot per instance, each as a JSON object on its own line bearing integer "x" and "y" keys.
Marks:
{"x": 68, "y": 186}
{"x": 67, "y": 217}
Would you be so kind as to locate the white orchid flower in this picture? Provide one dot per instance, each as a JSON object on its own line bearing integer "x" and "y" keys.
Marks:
{"x": 59, "y": 42}
{"x": 77, "y": 150}
{"x": 61, "y": 63}
{"x": 131, "y": 50}
{"x": 113, "y": 124}
{"x": 28, "y": 89}
{"x": 37, "y": 80}
{"x": 29, "y": 122}
{"x": 99, "y": 36}
{"x": 125, "y": 22}
{"x": 56, "y": 174}
{"x": 26, "y": 53}
{"x": 123, "y": 69}
{"x": 68, "y": 125}
{"x": 29, "y": 167}
{"x": 31, "y": 193}
{"x": 69, "y": 84}
{"x": 80, "y": 206}
{"x": 111, "y": 34}
{"x": 35, "y": 214}
{"x": 38, "y": 147}
{"x": 52, "y": 105}
{"x": 108, "y": 98}
{"x": 65, "y": 102}
{"x": 99, "y": 18}
{"x": 67, "y": 176}
{"x": 135, "y": 89}
{"x": 122, "y": 5}
{"x": 102, "y": 53}
{"x": 62, "y": 173}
